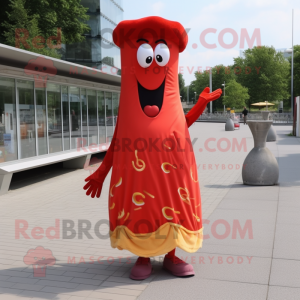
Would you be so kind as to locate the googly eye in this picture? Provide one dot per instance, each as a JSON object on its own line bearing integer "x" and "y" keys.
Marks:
{"x": 145, "y": 55}
{"x": 162, "y": 54}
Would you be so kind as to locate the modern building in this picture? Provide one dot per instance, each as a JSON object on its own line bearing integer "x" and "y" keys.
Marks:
{"x": 98, "y": 49}
{"x": 286, "y": 52}
{"x": 51, "y": 111}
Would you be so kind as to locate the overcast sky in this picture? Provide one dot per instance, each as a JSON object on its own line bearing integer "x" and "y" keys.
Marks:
{"x": 272, "y": 17}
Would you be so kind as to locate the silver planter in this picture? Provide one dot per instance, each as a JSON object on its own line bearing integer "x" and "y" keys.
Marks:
{"x": 272, "y": 136}
{"x": 260, "y": 166}
{"x": 265, "y": 114}
{"x": 229, "y": 126}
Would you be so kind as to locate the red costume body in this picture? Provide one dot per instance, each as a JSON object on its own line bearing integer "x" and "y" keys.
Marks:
{"x": 154, "y": 200}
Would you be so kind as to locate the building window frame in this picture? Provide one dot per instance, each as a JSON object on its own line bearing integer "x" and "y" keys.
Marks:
{"x": 68, "y": 85}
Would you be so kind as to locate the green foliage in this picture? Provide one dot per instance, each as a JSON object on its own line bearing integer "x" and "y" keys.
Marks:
{"x": 182, "y": 88}
{"x": 296, "y": 72}
{"x": 191, "y": 89}
{"x": 20, "y": 19}
{"x": 235, "y": 95}
{"x": 220, "y": 73}
{"x": 201, "y": 82}
{"x": 265, "y": 74}
{"x": 43, "y": 17}
{"x": 69, "y": 15}
{"x": 268, "y": 78}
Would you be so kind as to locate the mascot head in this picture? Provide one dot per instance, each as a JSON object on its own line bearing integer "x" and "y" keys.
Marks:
{"x": 150, "y": 50}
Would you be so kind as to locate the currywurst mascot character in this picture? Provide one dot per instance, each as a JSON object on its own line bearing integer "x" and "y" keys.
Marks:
{"x": 154, "y": 199}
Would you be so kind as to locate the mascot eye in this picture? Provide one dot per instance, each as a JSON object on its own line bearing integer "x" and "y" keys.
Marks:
{"x": 145, "y": 55}
{"x": 162, "y": 54}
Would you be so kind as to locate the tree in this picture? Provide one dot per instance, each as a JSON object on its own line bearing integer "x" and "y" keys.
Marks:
{"x": 47, "y": 15}
{"x": 201, "y": 82}
{"x": 182, "y": 88}
{"x": 235, "y": 95}
{"x": 20, "y": 19}
{"x": 296, "y": 71}
{"x": 192, "y": 89}
{"x": 265, "y": 73}
{"x": 220, "y": 73}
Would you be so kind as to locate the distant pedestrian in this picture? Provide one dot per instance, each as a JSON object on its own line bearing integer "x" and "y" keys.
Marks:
{"x": 75, "y": 124}
{"x": 245, "y": 113}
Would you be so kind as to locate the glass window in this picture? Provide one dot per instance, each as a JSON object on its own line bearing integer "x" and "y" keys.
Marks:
{"x": 84, "y": 117}
{"x": 101, "y": 117}
{"x": 54, "y": 117}
{"x": 115, "y": 97}
{"x": 109, "y": 116}
{"x": 92, "y": 116}
{"x": 25, "y": 97}
{"x": 96, "y": 50}
{"x": 111, "y": 10}
{"x": 94, "y": 23}
{"x": 79, "y": 51}
{"x": 111, "y": 57}
{"x": 40, "y": 95}
{"x": 8, "y": 124}
{"x": 84, "y": 52}
{"x": 107, "y": 28}
{"x": 119, "y": 2}
{"x": 75, "y": 117}
{"x": 66, "y": 118}
{"x": 92, "y": 5}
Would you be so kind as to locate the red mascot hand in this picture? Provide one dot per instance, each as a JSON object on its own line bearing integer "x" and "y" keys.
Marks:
{"x": 207, "y": 97}
{"x": 95, "y": 181}
{"x": 204, "y": 98}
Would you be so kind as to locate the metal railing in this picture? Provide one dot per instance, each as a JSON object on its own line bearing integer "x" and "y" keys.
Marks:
{"x": 286, "y": 118}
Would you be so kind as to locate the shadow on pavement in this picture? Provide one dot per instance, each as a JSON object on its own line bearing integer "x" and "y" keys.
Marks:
{"x": 25, "y": 178}
{"x": 58, "y": 280}
{"x": 32, "y": 176}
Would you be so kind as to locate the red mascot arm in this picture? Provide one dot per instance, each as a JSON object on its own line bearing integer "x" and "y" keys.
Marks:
{"x": 204, "y": 98}
{"x": 95, "y": 181}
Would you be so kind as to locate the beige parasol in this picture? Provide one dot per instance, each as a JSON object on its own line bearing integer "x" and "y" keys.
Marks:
{"x": 262, "y": 104}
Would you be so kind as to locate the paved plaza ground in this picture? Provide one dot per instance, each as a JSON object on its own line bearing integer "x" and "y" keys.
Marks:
{"x": 263, "y": 262}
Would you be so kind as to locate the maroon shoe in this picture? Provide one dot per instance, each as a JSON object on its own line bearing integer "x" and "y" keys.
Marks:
{"x": 178, "y": 267}
{"x": 142, "y": 269}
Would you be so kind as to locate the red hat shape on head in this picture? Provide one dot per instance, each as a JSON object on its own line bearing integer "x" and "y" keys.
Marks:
{"x": 150, "y": 50}
{"x": 154, "y": 28}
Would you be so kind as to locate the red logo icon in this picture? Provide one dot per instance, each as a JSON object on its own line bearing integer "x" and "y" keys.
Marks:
{"x": 39, "y": 258}
{"x": 41, "y": 68}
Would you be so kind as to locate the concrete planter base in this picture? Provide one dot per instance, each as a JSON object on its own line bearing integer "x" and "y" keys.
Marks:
{"x": 260, "y": 166}
{"x": 265, "y": 114}
{"x": 272, "y": 136}
{"x": 229, "y": 126}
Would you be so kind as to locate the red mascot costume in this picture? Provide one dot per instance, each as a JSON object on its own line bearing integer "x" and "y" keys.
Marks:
{"x": 154, "y": 199}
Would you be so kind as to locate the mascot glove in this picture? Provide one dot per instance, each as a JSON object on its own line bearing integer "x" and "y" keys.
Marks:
{"x": 95, "y": 181}
{"x": 207, "y": 97}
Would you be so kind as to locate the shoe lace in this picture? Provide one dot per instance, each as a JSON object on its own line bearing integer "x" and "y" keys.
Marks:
{"x": 142, "y": 260}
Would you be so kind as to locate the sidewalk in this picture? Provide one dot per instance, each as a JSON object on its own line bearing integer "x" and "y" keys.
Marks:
{"x": 266, "y": 266}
